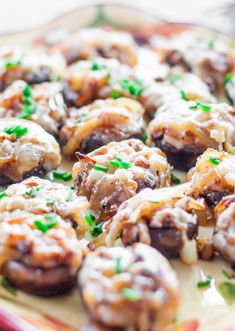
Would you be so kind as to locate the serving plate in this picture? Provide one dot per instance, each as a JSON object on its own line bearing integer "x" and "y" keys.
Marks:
{"x": 201, "y": 310}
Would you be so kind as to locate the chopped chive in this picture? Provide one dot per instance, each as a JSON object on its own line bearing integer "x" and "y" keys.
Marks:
{"x": 226, "y": 274}
{"x": 130, "y": 294}
{"x": 32, "y": 192}
{"x": 27, "y": 92}
{"x": 175, "y": 179}
{"x": 183, "y": 95}
{"x": 90, "y": 219}
{"x": 28, "y": 110}
{"x": 211, "y": 43}
{"x": 214, "y": 160}
{"x": 8, "y": 286}
{"x": 57, "y": 78}
{"x": 51, "y": 220}
{"x": 205, "y": 108}
{"x": 9, "y": 64}
{"x": 205, "y": 283}
{"x": 134, "y": 87}
{"x": 118, "y": 267}
{"x": 195, "y": 105}
{"x": 119, "y": 163}
{"x": 115, "y": 94}
{"x": 96, "y": 66}
{"x": 228, "y": 78}
{"x": 3, "y": 194}
{"x": 41, "y": 226}
{"x": 97, "y": 229}
{"x": 63, "y": 175}
{"x": 17, "y": 130}
{"x": 227, "y": 290}
{"x": 146, "y": 137}
{"x": 99, "y": 167}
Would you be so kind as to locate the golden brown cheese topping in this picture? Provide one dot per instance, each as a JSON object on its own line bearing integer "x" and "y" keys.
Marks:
{"x": 115, "y": 172}
{"x": 213, "y": 176}
{"x": 184, "y": 130}
{"x": 41, "y": 196}
{"x": 130, "y": 287}
{"x": 165, "y": 218}
{"x": 101, "y": 122}
{"x": 42, "y": 104}
{"x": 25, "y": 149}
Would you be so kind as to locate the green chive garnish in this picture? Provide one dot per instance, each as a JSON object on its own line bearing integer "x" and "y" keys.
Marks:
{"x": 63, "y": 175}
{"x": 28, "y": 111}
{"x": 115, "y": 94}
{"x": 32, "y": 192}
{"x": 90, "y": 219}
{"x": 9, "y": 64}
{"x": 130, "y": 294}
{"x": 17, "y": 130}
{"x": 119, "y": 163}
{"x": 134, "y": 87}
{"x": 228, "y": 78}
{"x": 118, "y": 267}
{"x": 205, "y": 108}
{"x": 41, "y": 226}
{"x": 227, "y": 289}
{"x": 146, "y": 137}
{"x": 214, "y": 160}
{"x": 175, "y": 179}
{"x": 205, "y": 283}
{"x": 99, "y": 167}
{"x": 183, "y": 95}
{"x": 173, "y": 78}
{"x": 27, "y": 92}
{"x": 96, "y": 66}
{"x": 8, "y": 286}
{"x": 50, "y": 202}
{"x": 3, "y": 194}
{"x": 97, "y": 229}
{"x": 156, "y": 202}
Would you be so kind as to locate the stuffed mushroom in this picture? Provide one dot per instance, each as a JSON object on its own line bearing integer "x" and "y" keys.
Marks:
{"x": 132, "y": 287}
{"x": 34, "y": 68}
{"x": 213, "y": 176}
{"x": 41, "y": 196}
{"x": 42, "y": 103}
{"x": 164, "y": 218}
{"x": 115, "y": 172}
{"x": 39, "y": 253}
{"x": 101, "y": 122}
{"x": 184, "y": 130}
{"x": 95, "y": 42}
{"x": 25, "y": 150}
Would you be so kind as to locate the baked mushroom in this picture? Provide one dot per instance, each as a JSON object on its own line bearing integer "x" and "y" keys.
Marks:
{"x": 34, "y": 68}
{"x": 164, "y": 218}
{"x": 115, "y": 172}
{"x": 210, "y": 59}
{"x": 177, "y": 84}
{"x": 41, "y": 196}
{"x": 25, "y": 150}
{"x": 184, "y": 130}
{"x": 101, "y": 122}
{"x": 132, "y": 287}
{"x": 43, "y": 103}
{"x": 95, "y": 42}
{"x": 98, "y": 78}
{"x": 223, "y": 238}
{"x": 213, "y": 176}
{"x": 40, "y": 253}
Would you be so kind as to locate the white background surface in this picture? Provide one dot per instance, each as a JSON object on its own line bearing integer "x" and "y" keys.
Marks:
{"x": 18, "y": 15}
